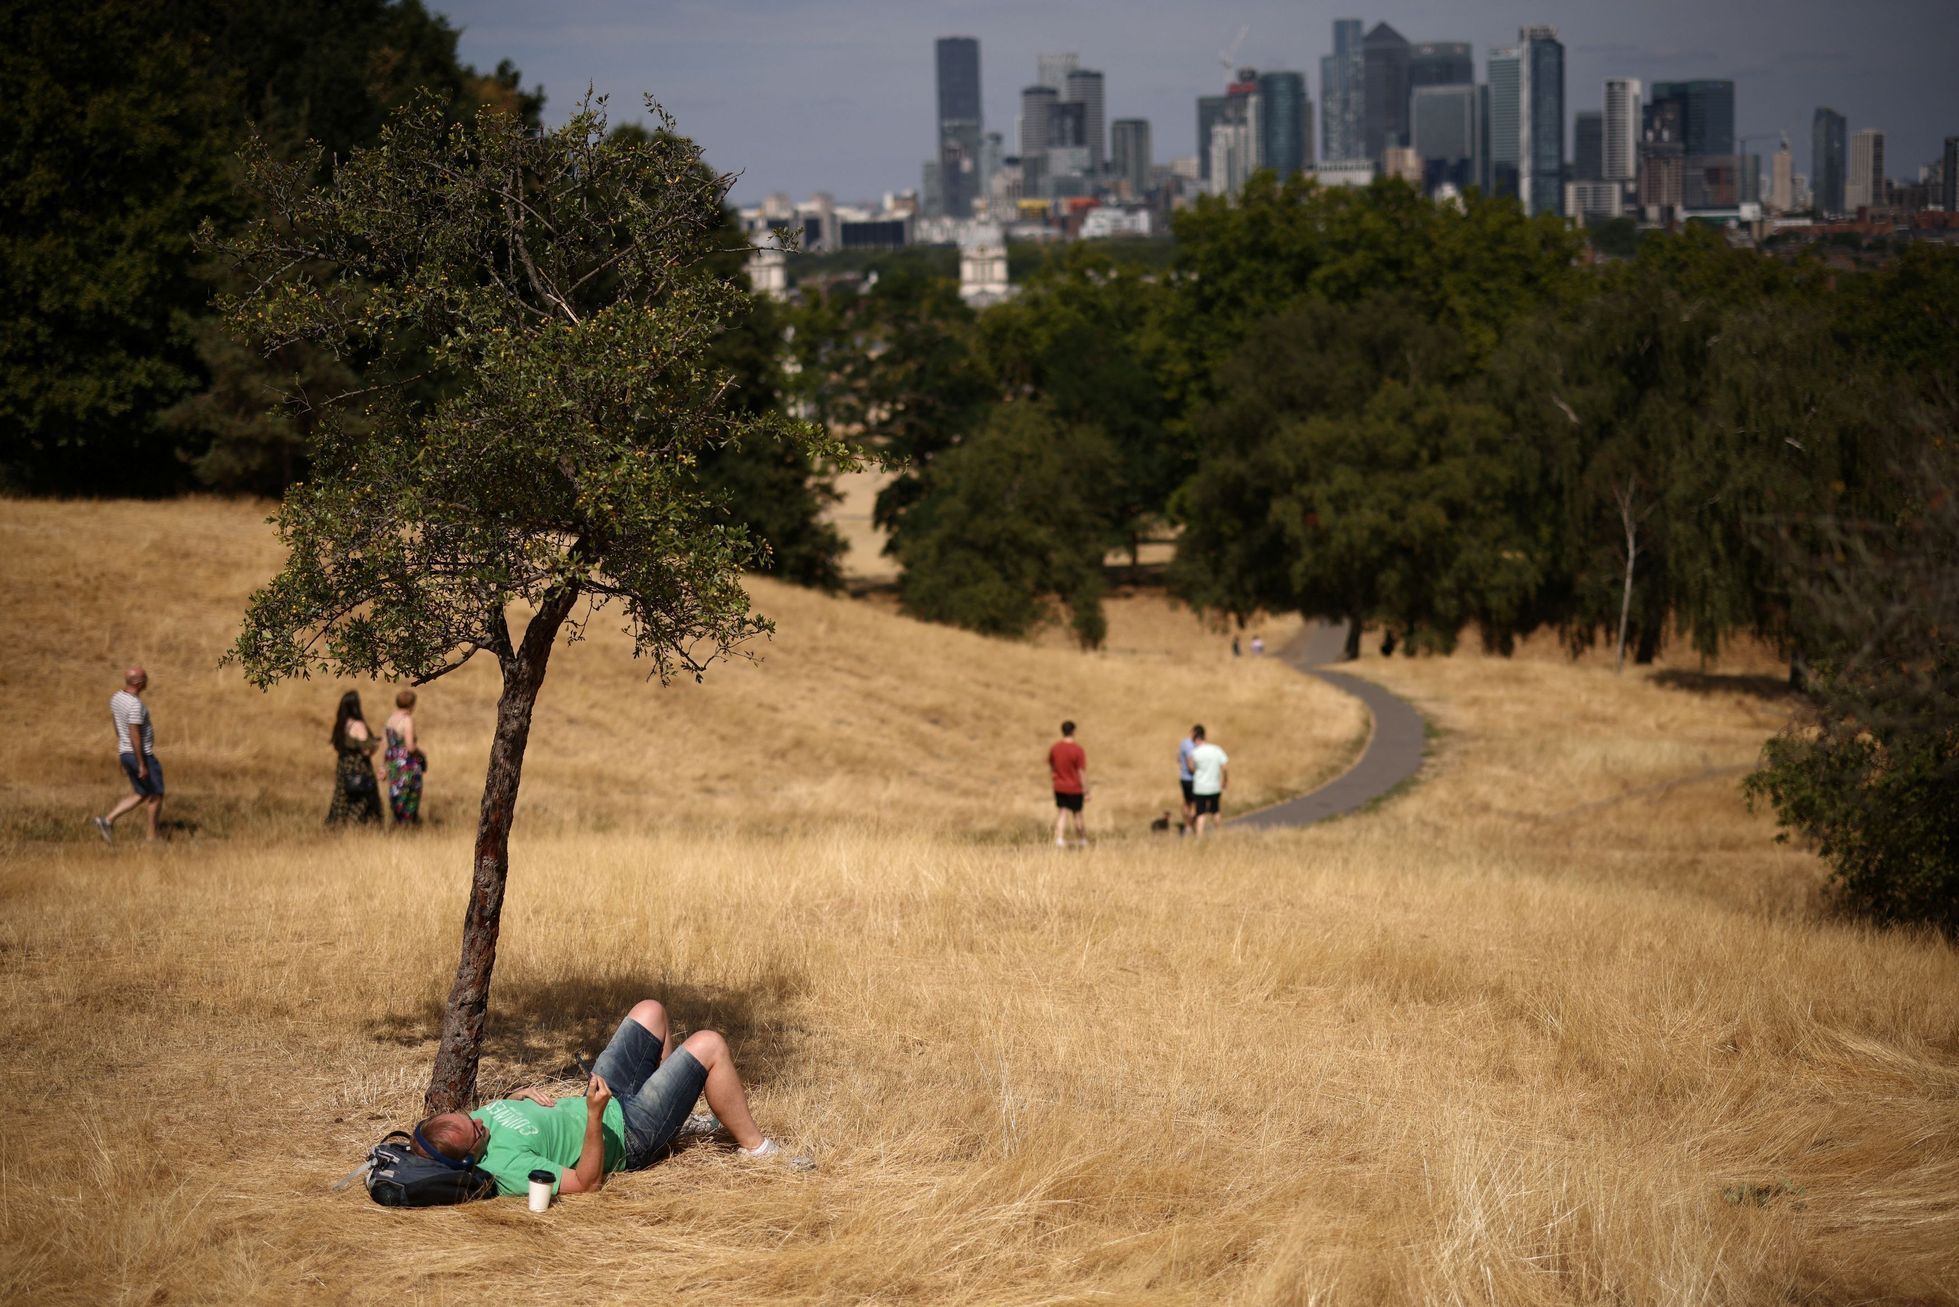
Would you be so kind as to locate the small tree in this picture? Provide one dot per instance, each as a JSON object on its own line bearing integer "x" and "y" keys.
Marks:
{"x": 1869, "y": 778}
{"x": 534, "y": 319}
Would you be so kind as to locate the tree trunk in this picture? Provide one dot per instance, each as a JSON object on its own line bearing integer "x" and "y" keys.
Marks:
{"x": 453, "y": 1082}
{"x": 1353, "y": 640}
{"x": 1649, "y": 642}
{"x": 1630, "y": 522}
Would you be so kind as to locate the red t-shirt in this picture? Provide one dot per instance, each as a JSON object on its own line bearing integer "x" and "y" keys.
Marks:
{"x": 1066, "y": 761}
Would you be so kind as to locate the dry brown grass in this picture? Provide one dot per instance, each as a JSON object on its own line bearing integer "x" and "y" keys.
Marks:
{"x": 850, "y": 715}
{"x": 1519, "y": 1036}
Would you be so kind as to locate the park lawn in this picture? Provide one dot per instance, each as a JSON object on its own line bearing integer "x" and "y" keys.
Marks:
{"x": 1562, "y": 1023}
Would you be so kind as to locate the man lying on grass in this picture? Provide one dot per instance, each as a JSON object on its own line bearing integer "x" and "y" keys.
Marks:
{"x": 641, "y": 1091}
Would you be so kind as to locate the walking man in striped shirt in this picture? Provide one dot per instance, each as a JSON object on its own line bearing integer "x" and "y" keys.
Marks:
{"x": 136, "y": 745}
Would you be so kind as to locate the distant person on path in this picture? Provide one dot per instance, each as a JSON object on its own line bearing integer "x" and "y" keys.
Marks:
{"x": 356, "y": 796}
{"x": 636, "y": 1103}
{"x": 1069, "y": 764}
{"x": 1236, "y": 651}
{"x": 1186, "y": 747}
{"x": 136, "y": 749}
{"x": 405, "y": 761}
{"x": 1209, "y": 777}
{"x": 1258, "y": 646}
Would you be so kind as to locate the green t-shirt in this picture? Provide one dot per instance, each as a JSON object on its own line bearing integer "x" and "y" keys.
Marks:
{"x": 525, "y": 1137}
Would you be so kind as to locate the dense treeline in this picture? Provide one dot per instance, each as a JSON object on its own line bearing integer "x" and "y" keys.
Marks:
{"x": 116, "y": 373}
{"x": 1364, "y": 407}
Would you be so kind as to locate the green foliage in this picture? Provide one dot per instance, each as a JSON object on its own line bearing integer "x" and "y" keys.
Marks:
{"x": 117, "y": 148}
{"x": 1081, "y": 336}
{"x": 895, "y": 366}
{"x": 1472, "y": 269}
{"x": 1869, "y": 781}
{"x": 1010, "y": 528}
{"x": 128, "y": 117}
{"x": 537, "y": 327}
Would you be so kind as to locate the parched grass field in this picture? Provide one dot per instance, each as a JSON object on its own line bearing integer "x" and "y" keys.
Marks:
{"x": 1560, "y": 1024}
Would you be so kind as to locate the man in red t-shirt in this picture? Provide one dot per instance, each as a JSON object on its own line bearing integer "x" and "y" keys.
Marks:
{"x": 1070, "y": 767}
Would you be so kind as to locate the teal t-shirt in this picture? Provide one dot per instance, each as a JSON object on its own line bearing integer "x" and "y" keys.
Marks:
{"x": 525, "y": 1137}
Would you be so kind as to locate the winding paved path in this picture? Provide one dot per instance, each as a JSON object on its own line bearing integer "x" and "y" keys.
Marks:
{"x": 1394, "y": 747}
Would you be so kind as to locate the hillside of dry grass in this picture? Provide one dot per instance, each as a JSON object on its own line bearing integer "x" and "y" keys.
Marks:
{"x": 850, "y": 715}
{"x": 1560, "y": 1024}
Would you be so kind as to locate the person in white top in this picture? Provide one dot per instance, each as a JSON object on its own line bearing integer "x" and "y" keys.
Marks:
{"x": 1208, "y": 777}
{"x": 136, "y": 749}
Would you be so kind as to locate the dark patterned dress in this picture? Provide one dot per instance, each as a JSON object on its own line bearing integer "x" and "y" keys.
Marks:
{"x": 405, "y": 768}
{"x": 355, "y": 795}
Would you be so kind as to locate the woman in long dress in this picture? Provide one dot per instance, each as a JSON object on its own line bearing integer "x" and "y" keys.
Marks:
{"x": 405, "y": 762}
{"x": 356, "y": 795}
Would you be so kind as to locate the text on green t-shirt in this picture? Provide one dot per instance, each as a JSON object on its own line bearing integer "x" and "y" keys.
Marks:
{"x": 526, "y": 1137}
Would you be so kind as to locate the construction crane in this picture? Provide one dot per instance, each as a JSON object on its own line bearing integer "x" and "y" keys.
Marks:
{"x": 1229, "y": 55}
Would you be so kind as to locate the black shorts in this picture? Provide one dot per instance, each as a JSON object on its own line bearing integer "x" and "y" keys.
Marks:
{"x": 1187, "y": 793}
{"x": 1072, "y": 802}
{"x": 1206, "y": 803}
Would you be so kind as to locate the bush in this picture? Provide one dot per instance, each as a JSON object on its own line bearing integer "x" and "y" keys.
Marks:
{"x": 1870, "y": 781}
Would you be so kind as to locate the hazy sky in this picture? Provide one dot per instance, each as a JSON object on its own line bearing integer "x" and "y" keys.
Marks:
{"x": 801, "y": 96}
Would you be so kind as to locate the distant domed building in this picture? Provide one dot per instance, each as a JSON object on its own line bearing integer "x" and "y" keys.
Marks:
{"x": 983, "y": 265}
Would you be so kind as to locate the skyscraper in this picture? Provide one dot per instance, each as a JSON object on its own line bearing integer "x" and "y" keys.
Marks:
{"x": 1036, "y": 108}
{"x": 1661, "y": 154}
{"x": 1130, "y": 154}
{"x": 1588, "y": 146}
{"x": 1084, "y": 87}
{"x": 1341, "y": 81}
{"x": 1540, "y": 126}
{"x": 1285, "y": 120}
{"x": 1782, "y": 183}
{"x": 1446, "y": 124}
{"x": 959, "y": 123}
{"x": 1620, "y": 134}
{"x": 1384, "y": 91}
{"x": 1949, "y": 175}
{"x": 1054, "y": 69}
{"x": 1710, "y": 173}
{"x": 1440, "y": 63}
{"x": 1867, "y": 186}
{"x": 1707, "y": 115}
{"x": 1210, "y": 108}
{"x": 1506, "y": 63}
{"x": 1827, "y": 157}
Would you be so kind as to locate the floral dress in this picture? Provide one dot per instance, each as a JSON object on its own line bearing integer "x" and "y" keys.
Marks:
{"x": 405, "y": 768}
{"x": 355, "y": 795}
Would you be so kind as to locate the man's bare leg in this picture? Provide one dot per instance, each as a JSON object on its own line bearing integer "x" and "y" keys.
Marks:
{"x": 725, "y": 1096}
{"x": 129, "y": 802}
{"x": 154, "y": 803}
{"x": 1081, "y": 828}
{"x": 1061, "y": 826}
{"x": 652, "y": 1014}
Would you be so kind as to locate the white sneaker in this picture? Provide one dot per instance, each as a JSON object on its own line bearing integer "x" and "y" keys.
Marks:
{"x": 104, "y": 829}
{"x": 770, "y": 1151}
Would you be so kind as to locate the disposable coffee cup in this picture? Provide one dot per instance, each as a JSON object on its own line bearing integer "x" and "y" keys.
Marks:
{"x": 541, "y": 1190}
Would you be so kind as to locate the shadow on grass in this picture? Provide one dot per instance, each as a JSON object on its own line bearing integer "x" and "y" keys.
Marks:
{"x": 1760, "y": 687}
{"x": 538, "y": 1031}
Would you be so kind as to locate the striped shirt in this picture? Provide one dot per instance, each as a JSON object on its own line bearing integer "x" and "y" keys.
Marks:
{"x": 130, "y": 714}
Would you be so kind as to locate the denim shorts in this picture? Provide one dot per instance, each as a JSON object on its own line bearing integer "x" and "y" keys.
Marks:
{"x": 654, "y": 1096}
{"x": 144, "y": 785}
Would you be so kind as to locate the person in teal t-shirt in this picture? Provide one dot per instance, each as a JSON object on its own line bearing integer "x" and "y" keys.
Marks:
{"x": 638, "y": 1098}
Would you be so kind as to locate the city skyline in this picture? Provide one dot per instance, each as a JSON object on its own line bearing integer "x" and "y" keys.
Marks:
{"x": 775, "y": 91}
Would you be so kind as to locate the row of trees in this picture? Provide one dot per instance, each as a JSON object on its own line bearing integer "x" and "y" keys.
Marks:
{"x": 1362, "y": 406}
{"x": 136, "y": 124}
